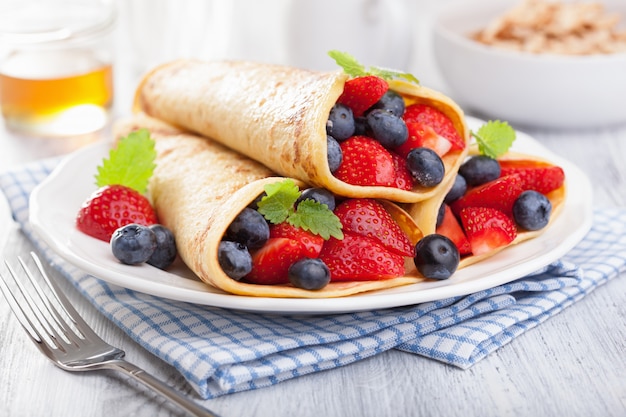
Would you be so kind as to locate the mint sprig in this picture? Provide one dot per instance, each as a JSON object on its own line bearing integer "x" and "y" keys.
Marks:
{"x": 131, "y": 163}
{"x": 494, "y": 138}
{"x": 279, "y": 205}
{"x": 354, "y": 68}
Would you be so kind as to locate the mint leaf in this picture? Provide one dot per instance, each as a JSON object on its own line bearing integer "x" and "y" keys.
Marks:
{"x": 354, "y": 68}
{"x": 279, "y": 205}
{"x": 316, "y": 218}
{"x": 494, "y": 138}
{"x": 131, "y": 163}
{"x": 349, "y": 63}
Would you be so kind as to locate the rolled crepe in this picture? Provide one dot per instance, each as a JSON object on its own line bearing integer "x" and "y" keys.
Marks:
{"x": 199, "y": 187}
{"x": 277, "y": 115}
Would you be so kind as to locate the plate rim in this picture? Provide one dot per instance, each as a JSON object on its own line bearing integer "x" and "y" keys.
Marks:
{"x": 198, "y": 293}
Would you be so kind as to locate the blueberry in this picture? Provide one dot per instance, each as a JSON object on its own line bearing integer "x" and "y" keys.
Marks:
{"x": 249, "y": 228}
{"x": 436, "y": 257}
{"x": 133, "y": 244}
{"x": 480, "y": 169}
{"x": 335, "y": 156}
{"x": 309, "y": 274}
{"x": 360, "y": 126}
{"x": 387, "y": 128}
{"x": 392, "y": 102}
{"x": 440, "y": 214}
{"x": 340, "y": 124}
{"x": 531, "y": 210}
{"x": 321, "y": 195}
{"x": 255, "y": 203}
{"x": 234, "y": 259}
{"x": 165, "y": 252}
{"x": 458, "y": 189}
{"x": 425, "y": 166}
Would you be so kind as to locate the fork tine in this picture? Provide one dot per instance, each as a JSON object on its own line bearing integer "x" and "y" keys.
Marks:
{"x": 23, "y": 317}
{"x": 79, "y": 324}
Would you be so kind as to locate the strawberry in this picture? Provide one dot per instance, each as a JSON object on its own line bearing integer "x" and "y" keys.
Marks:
{"x": 312, "y": 243}
{"x": 437, "y": 120}
{"x": 365, "y": 162}
{"x": 363, "y": 92}
{"x": 359, "y": 258}
{"x": 271, "y": 262}
{"x": 422, "y": 135}
{"x": 487, "y": 229}
{"x": 499, "y": 194}
{"x": 535, "y": 175}
{"x": 404, "y": 180}
{"x": 451, "y": 229}
{"x": 367, "y": 217}
{"x": 111, "y": 207}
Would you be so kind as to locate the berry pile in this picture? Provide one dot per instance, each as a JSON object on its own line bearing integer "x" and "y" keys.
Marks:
{"x": 372, "y": 246}
{"x": 375, "y": 139}
{"x": 492, "y": 200}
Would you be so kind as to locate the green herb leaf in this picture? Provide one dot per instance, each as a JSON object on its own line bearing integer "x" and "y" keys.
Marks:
{"x": 494, "y": 138}
{"x": 278, "y": 205}
{"x": 316, "y": 218}
{"x": 354, "y": 68}
{"x": 131, "y": 163}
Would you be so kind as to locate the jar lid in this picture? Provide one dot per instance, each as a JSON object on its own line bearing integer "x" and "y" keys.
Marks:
{"x": 28, "y": 22}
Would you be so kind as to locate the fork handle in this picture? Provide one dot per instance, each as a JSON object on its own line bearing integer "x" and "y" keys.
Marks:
{"x": 160, "y": 387}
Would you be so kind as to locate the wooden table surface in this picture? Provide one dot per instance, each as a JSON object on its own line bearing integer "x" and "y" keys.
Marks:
{"x": 574, "y": 364}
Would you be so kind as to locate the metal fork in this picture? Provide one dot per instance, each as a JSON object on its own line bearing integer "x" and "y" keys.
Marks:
{"x": 63, "y": 336}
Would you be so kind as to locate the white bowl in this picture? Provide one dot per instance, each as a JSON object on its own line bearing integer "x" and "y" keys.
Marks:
{"x": 554, "y": 91}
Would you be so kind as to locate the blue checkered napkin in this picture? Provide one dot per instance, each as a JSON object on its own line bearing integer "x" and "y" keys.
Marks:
{"x": 221, "y": 351}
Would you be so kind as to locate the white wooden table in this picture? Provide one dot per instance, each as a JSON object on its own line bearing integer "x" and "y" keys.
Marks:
{"x": 572, "y": 365}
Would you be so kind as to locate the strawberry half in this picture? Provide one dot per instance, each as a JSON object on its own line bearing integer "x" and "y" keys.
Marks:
{"x": 312, "y": 243}
{"x": 451, "y": 229}
{"x": 359, "y": 258}
{"x": 422, "y": 135}
{"x": 367, "y": 217}
{"x": 487, "y": 229}
{"x": 271, "y": 262}
{"x": 534, "y": 175}
{"x": 499, "y": 194}
{"x": 437, "y": 120}
{"x": 361, "y": 93}
{"x": 111, "y": 207}
{"x": 365, "y": 162}
{"x": 404, "y": 180}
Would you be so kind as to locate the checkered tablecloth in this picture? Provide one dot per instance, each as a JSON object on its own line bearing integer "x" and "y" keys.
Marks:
{"x": 222, "y": 351}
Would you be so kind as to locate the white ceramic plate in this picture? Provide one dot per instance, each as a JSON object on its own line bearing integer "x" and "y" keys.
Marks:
{"x": 55, "y": 202}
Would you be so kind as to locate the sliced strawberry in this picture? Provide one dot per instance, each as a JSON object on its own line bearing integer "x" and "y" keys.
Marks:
{"x": 271, "y": 262}
{"x": 437, "y": 120}
{"x": 361, "y": 93}
{"x": 535, "y": 175}
{"x": 312, "y": 243}
{"x": 359, "y": 258}
{"x": 404, "y": 180}
{"x": 111, "y": 207}
{"x": 422, "y": 135}
{"x": 499, "y": 194}
{"x": 368, "y": 217}
{"x": 451, "y": 229}
{"x": 365, "y": 162}
{"x": 487, "y": 229}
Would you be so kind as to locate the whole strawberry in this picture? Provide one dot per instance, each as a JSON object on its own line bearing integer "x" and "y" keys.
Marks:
{"x": 111, "y": 207}
{"x": 122, "y": 180}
